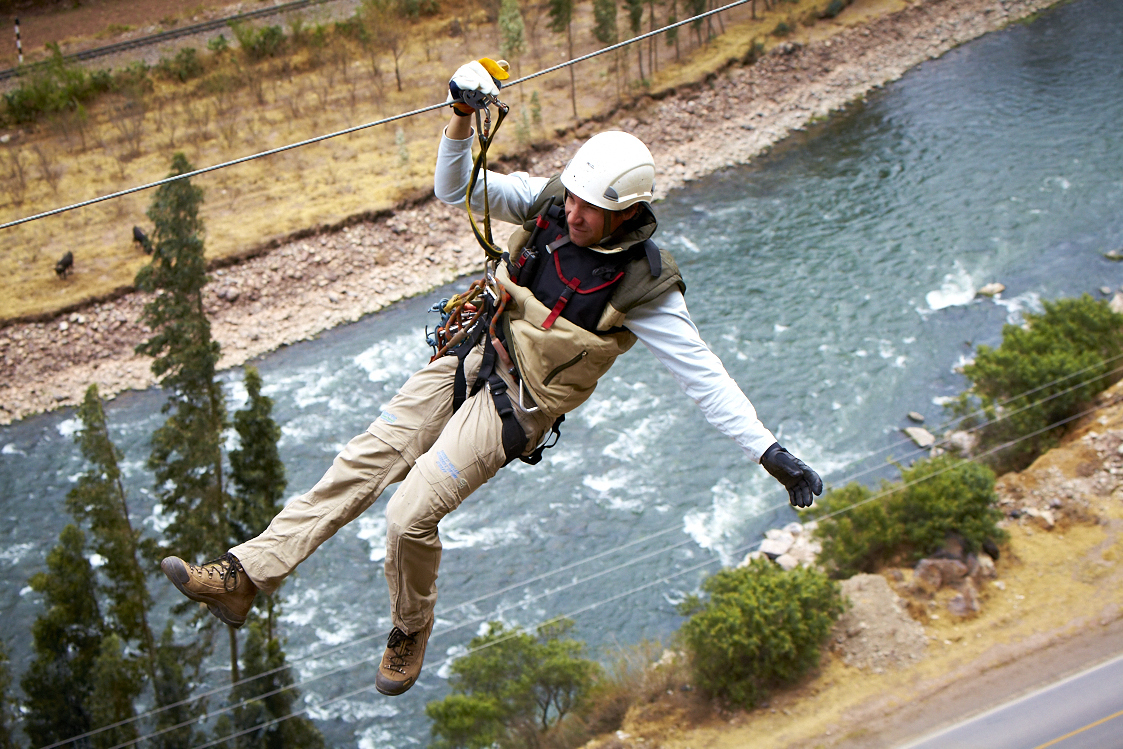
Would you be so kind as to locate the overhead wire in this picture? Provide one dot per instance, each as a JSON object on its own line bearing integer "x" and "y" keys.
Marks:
{"x": 665, "y": 578}
{"x": 577, "y": 582}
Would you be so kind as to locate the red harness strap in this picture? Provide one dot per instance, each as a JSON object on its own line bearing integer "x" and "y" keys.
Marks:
{"x": 571, "y": 285}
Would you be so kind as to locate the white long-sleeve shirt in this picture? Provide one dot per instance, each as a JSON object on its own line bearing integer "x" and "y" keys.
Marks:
{"x": 663, "y": 325}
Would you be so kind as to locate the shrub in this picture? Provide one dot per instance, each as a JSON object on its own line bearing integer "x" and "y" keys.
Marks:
{"x": 834, "y": 8}
{"x": 946, "y": 495}
{"x": 1021, "y": 385}
{"x": 257, "y": 44}
{"x": 183, "y": 67}
{"x": 782, "y": 29}
{"x": 862, "y": 537}
{"x": 913, "y": 519}
{"x": 53, "y": 87}
{"x": 512, "y": 688}
{"x": 761, "y": 628}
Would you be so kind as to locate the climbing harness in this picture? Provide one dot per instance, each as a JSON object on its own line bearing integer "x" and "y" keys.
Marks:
{"x": 478, "y": 311}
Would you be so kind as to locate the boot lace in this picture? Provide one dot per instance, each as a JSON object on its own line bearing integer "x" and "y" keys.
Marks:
{"x": 226, "y": 567}
{"x": 398, "y": 645}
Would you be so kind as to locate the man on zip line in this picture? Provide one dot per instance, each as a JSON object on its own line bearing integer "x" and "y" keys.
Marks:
{"x": 581, "y": 283}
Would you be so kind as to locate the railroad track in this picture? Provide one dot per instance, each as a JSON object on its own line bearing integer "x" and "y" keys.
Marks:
{"x": 164, "y": 36}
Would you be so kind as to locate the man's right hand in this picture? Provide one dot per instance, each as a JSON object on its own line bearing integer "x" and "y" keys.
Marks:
{"x": 473, "y": 77}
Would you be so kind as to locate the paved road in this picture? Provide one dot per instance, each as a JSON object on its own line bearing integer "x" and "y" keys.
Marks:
{"x": 1084, "y": 711}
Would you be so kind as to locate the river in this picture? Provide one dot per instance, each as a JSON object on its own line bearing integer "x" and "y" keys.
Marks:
{"x": 836, "y": 277}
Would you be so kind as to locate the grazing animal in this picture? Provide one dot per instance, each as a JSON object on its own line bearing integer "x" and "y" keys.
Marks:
{"x": 64, "y": 265}
{"x": 142, "y": 239}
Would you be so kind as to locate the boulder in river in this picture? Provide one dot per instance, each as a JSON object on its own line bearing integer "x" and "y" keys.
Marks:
{"x": 921, "y": 436}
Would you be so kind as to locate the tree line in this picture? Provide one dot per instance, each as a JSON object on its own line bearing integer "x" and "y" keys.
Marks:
{"x": 96, "y": 656}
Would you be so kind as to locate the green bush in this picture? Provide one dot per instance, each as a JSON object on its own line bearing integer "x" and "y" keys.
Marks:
{"x": 183, "y": 67}
{"x": 51, "y": 88}
{"x": 834, "y": 8}
{"x": 761, "y": 628}
{"x": 257, "y": 44}
{"x": 782, "y": 29}
{"x": 1020, "y": 386}
{"x": 913, "y": 518}
{"x": 862, "y": 537}
{"x": 512, "y": 688}
{"x": 946, "y": 495}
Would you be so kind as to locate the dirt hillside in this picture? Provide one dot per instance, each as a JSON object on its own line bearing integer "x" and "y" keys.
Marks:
{"x": 1053, "y": 607}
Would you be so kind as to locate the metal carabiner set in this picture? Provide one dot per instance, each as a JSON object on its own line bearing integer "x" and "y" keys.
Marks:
{"x": 461, "y": 313}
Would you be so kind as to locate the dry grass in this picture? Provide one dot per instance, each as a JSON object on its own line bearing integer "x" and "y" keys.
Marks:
{"x": 126, "y": 142}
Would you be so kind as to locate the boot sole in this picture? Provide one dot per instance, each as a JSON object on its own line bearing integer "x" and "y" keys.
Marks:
{"x": 178, "y": 577}
{"x": 392, "y": 688}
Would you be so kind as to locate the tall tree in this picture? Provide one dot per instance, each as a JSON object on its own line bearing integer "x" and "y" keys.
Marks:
{"x": 186, "y": 451}
{"x": 99, "y": 500}
{"x": 7, "y": 704}
{"x": 67, "y": 640}
{"x": 512, "y": 35}
{"x": 186, "y": 455}
{"x": 256, "y": 471}
{"x": 561, "y": 20}
{"x": 116, "y": 685}
{"x": 265, "y": 695}
{"x": 173, "y": 692}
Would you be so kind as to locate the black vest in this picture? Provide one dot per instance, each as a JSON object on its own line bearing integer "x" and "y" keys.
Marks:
{"x": 573, "y": 282}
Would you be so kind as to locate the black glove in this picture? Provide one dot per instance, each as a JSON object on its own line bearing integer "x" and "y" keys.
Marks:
{"x": 800, "y": 481}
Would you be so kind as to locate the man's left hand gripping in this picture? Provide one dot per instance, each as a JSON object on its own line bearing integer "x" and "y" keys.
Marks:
{"x": 796, "y": 476}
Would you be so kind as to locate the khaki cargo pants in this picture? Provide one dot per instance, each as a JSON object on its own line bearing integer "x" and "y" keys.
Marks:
{"x": 439, "y": 456}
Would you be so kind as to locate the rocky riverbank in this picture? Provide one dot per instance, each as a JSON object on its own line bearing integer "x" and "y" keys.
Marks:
{"x": 307, "y": 285}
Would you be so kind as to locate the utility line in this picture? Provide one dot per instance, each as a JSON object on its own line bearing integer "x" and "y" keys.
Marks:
{"x": 521, "y": 604}
{"x": 578, "y": 563}
{"x": 688, "y": 570}
{"x": 356, "y": 128}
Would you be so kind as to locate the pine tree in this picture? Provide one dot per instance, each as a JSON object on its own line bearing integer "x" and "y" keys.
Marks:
{"x": 256, "y": 471}
{"x": 7, "y": 713}
{"x": 604, "y": 30}
{"x": 116, "y": 684}
{"x": 99, "y": 500}
{"x": 265, "y": 695}
{"x": 67, "y": 640}
{"x": 186, "y": 451}
{"x": 173, "y": 691}
{"x": 635, "y": 23}
{"x": 512, "y": 31}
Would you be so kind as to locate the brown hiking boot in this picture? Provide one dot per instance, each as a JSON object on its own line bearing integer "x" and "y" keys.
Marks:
{"x": 401, "y": 663}
{"x": 221, "y": 584}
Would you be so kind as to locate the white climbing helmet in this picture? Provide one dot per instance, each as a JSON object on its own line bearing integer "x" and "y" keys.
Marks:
{"x": 613, "y": 170}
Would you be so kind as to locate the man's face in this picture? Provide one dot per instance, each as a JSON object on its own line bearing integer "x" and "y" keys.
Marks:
{"x": 586, "y": 221}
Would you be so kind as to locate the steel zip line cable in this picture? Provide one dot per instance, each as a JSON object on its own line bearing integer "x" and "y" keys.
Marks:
{"x": 356, "y": 128}
{"x": 580, "y": 562}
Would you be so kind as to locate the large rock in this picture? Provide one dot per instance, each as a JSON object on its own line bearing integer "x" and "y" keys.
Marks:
{"x": 777, "y": 542}
{"x": 966, "y": 603}
{"x": 876, "y": 632}
{"x": 921, "y": 436}
{"x": 932, "y": 574}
